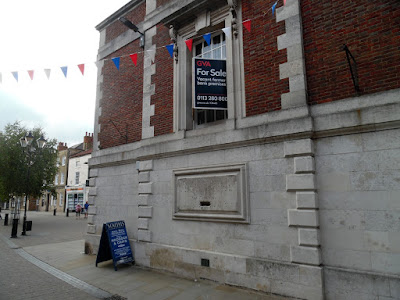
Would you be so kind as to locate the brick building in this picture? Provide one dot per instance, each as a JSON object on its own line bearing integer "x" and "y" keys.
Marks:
{"x": 78, "y": 169}
{"x": 287, "y": 182}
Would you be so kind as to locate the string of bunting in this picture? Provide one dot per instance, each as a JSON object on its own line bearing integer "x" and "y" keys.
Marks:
{"x": 170, "y": 48}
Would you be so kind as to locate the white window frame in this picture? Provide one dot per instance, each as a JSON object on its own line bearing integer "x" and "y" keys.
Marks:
{"x": 61, "y": 199}
{"x": 183, "y": 119}
{"x": 56, "y": 180}
{"x": 62, "y": 179}
{"x": 63, "y": 160}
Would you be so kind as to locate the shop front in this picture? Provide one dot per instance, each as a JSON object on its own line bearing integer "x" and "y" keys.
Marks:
{"x": 75, "y": 196}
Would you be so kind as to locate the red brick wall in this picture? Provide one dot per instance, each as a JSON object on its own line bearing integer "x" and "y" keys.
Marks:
{"x": 135, "y": 16}
{"x": 262, "y": 59}
{"x": 163, "y": 80}
{"x": 371, "y": 30}
{"x": 122, "y": 99}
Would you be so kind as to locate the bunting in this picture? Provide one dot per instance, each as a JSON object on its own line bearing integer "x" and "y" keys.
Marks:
{"x": 227, "y": 31}
{"x": 31, "y": 72}
{"x": 116, "y": 62}
{"x": 207, "y": 38}
{"x": 64, "y": 70}
{"x": 189, "y": 44}
{"x": 134, "y": 57}
{"x": 15, "y": 74}
{"x": 170, "y": 49}
{"x": 47, "y": 72}
{"x": 82, "y": 68}
{"x": 273, "y": 7}
{"x": 247, "y": 25}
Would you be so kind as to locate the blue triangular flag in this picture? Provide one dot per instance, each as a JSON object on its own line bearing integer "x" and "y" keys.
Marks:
{"x": 273, "y": 7}
{"x": 64, "y": 70}
{"x": 170, "y": 49}
{"x": 116, "y": 62}
{"x": 15, "y": 74}
{"x": 207, "y": 37}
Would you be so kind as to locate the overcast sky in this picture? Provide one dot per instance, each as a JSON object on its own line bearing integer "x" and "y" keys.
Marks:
{"x": 49, "y": 34}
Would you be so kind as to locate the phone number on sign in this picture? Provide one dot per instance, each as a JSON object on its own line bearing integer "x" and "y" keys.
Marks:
{"x": 212, "y": 98}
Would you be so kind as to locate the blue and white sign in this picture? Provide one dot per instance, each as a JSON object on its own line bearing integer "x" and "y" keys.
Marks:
{"x": 209, "y": 84}
{"x": 114, "y": 244}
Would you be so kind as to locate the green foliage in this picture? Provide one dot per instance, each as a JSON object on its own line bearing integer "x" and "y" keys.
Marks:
{"x": 23, "y": 171}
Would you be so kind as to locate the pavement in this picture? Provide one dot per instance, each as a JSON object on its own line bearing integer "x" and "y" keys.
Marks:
{"x": 49, "y": 263}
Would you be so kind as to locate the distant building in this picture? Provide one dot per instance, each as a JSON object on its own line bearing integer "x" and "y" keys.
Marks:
{"x": 78, "y": 170}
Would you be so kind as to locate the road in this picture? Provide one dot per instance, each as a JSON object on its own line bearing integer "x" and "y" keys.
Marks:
{"x": 19, "y": 278}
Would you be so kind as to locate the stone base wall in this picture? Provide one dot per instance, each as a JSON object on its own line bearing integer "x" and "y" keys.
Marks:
{"x": 312, "y": 209}
{"x": 358, "y": 180}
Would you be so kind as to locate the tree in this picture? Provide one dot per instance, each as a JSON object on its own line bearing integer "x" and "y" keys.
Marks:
{"x": 22, "y": 171}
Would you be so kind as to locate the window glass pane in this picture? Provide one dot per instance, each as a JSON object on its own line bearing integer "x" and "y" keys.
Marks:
{"x": 216, "y": 53}
{"x": 198, "y": 49}
{"x": 210, "y": 116}
{"x": 201, "y": 117}
{"x": 216, "y": 41}
{"x": 206, "y": 47}
{"x": 220, "y": 115}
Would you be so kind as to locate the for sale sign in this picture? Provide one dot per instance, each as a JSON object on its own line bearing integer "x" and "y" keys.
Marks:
{"x": 209, "y": 84}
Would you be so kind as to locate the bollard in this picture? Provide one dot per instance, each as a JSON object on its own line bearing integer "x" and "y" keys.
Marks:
{"x": 14, "y": 228}
{"x": 6, "y": 220}
{"x": 67, "y": 212}
{"x": 55, "y": 210}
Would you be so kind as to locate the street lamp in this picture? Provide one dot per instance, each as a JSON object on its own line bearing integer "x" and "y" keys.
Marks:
{"x": 26, "y": 142}
{"x": 133, "y": 27}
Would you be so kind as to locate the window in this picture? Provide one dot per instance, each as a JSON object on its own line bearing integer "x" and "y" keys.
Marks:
{"x": 61, "y": 199}
{"x": 63, "y": 160}
{"x": 62, "y": 178}
{"x": 216, "y": 50}
{"x": 77, "y": 163}
{"x": 228, "y": 47}
{"x": 56, "y": 180}
{"x": 77, "y": 178}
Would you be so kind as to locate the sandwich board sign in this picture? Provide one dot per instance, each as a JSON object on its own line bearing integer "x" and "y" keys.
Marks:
{"x": 114, "y": 244}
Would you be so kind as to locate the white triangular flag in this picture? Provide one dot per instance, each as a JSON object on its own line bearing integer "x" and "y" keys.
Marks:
{"x": 47, "y": 72}
{"x": 227, "y": 31}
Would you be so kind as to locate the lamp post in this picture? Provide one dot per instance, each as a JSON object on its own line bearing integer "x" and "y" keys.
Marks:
{"x": 26, "y": 142}
{"x": 133, "y": 27}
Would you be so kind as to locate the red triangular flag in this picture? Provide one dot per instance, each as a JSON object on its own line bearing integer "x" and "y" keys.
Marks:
{"x": 189, "y": 44}
{"x": 30, "y": 72}
{"x": 82, "y": 68}
{"x": 134, "y": 58}
{"x": 284, "y": 2}
{"x": 247, "y": 25}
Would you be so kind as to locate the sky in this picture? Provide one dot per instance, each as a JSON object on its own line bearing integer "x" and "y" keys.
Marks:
{"x": 49, "y": 34}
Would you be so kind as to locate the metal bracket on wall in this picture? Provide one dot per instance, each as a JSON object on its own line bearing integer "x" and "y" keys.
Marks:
{"x": 353, "y": 68}
{"x": 122, "y": 135}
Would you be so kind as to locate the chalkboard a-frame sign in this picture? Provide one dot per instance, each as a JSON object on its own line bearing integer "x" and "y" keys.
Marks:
{"x": 114, "y": 244}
